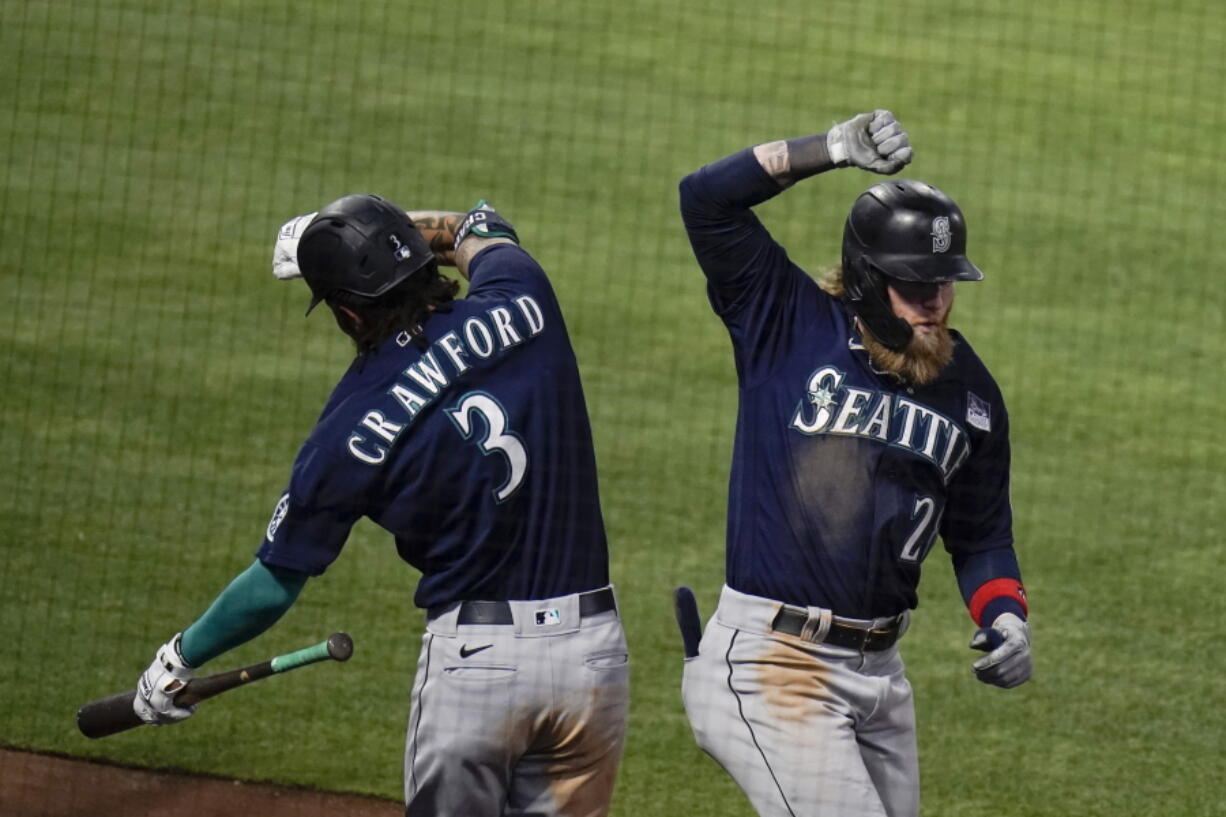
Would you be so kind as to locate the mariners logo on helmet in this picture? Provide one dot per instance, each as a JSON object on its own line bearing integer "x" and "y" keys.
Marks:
{"x": 941, "y": 235}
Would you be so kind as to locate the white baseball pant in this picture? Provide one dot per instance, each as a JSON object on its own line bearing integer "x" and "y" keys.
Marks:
{"x": 805, "y": 729}
{"x": 522, "y": 718}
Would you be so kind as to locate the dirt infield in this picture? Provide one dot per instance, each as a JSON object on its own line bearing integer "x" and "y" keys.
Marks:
{"x": 33, "y": 785}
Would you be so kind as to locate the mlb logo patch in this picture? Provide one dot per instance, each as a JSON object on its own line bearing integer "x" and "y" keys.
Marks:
{"x": 978, "y": 412}
{"x": 400, "y": 250}
{"x": 548, "y": 618}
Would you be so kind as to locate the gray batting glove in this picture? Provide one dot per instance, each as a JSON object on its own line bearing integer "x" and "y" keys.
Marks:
{"x": 873, "y": 141}
{"x": 158, "y": 685}
{"x": 1008, "y": 663}
{"x": 285, "y": 251}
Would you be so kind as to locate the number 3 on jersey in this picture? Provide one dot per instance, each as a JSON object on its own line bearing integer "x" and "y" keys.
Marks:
{"x": 497, "y": 437}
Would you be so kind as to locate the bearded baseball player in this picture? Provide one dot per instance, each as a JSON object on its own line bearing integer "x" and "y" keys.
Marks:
{"x": 866, "y": 429}
{"x": 461, "y": 428}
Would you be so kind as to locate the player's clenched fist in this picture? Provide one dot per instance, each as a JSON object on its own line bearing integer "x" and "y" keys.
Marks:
{"x": 285, "y": 250}
{"x": 158, "y": 685}
{"x": 873, "y": 141}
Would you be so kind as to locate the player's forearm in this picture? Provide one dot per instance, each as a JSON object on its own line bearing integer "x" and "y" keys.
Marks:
{"x": 787, "y": 161}
{"x": 253, "y": 602}
{"x": 438, "y": 228}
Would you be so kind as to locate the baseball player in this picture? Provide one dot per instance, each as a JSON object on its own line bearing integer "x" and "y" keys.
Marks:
{"x": 461, "y": 428}
{"x": 866, "y": 429}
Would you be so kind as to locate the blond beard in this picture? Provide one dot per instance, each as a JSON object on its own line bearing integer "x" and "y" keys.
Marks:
{"x": 920, "y": 363}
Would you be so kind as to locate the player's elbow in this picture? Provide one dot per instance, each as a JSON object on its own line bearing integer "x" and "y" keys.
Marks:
{"x": 687, "y": 190}
{"x": 693, "y": 200}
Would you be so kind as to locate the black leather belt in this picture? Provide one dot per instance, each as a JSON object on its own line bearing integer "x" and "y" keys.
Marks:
{"x": 791, "y": 621}
{"x": 499, "y": 612}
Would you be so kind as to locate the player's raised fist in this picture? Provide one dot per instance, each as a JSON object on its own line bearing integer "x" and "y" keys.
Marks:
{"x": 872, "y": 141}
{"x": 285, "y": 249}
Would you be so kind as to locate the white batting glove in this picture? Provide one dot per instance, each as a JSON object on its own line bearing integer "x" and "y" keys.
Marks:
{"x": 873, "y": 141}
{"x": 157, "y": 687}
{"x": 285, "y": 251}
{"x": 1008, "y": 663}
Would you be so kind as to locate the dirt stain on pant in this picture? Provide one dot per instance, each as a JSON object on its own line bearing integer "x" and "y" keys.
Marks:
{"x": 792, "y": 683}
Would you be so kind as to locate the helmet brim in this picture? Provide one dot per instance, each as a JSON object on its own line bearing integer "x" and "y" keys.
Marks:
{"x": 928, "y": 269}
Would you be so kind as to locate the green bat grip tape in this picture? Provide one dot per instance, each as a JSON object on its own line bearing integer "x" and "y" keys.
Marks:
{"x": 338, "y": 646}
{"x": 307, "y": 655}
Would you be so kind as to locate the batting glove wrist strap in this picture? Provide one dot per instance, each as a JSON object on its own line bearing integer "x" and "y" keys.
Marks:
{"x": 158, "y": 685}
{"x": 484, "y": 221}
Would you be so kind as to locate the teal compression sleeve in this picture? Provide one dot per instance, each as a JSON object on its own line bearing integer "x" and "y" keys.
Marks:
{"x": 252, "y": 603}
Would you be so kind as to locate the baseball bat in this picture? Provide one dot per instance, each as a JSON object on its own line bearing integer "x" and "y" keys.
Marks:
{"x": 113, "y": 714}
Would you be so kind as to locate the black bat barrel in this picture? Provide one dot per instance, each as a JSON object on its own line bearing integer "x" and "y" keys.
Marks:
{"x": 106, "y": 716}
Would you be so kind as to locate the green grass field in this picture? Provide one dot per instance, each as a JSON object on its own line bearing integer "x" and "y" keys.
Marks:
{"x": 157, "y": 380}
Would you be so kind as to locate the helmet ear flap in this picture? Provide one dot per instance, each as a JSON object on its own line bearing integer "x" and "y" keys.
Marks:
{"x": 865, "y": 291}
{"x": 853, "y": 278}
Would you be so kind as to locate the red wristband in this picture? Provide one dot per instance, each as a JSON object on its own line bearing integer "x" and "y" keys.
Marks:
{"x": 995, "y": 589}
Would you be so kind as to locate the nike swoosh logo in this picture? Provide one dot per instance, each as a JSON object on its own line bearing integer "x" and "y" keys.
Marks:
{"x": 465, "y": 651}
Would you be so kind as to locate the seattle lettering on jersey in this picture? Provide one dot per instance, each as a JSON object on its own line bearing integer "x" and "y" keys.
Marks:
{"x": 428, "y": 378}
{"x": 832, "y": 408}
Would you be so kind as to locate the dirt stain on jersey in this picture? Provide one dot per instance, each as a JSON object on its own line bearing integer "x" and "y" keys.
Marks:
{"x": 832, "y": 486}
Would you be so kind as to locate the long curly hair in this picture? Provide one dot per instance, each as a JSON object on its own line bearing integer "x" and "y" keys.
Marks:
{"x": 404, "y": 308}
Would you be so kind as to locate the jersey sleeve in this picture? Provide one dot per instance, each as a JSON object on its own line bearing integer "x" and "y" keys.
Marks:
{"x": 978, "y": 524}
{"x": 751, "y": 283}
{"x": 978, "y": 513}
{"x": 991, "y": 583}
{"x": 316, "y": 512}
{"x": 506, "y": 271}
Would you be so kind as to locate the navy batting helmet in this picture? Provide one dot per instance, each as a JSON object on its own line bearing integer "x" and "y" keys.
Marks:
{"x": 360, "y": 244}
{"x": 906, "y": 230}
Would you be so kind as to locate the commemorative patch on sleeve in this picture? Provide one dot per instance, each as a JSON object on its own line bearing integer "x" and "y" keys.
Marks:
{"x": 978, "y": 412}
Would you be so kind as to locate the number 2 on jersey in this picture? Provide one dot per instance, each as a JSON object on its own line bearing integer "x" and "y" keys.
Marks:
{"x": 497, "y": 437}
{"x": 924, "y": 534}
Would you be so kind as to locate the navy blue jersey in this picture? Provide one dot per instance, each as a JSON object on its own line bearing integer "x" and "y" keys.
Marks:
{"x": 842, "y": 477}
{"x": 475, "y": 453}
